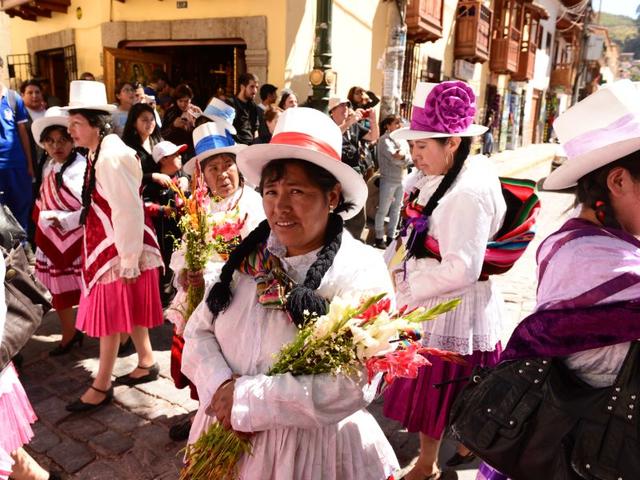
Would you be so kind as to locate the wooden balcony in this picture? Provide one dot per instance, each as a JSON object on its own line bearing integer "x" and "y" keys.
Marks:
{"x": 424, "y": 20}
{"x": 526, "y": 64}
{"x": 562, "y": 77}
{"x": 505, "y": 53}
{"x": 473, "y": 31}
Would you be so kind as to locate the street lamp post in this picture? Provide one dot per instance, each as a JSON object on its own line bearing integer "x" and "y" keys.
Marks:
{"x": 322, "y": 77}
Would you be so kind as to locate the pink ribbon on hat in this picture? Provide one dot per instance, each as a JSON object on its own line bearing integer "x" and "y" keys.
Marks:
{"x": 299, "y": 139}
{"x": 449, "y": 108}
{"x": 624, "y": 128}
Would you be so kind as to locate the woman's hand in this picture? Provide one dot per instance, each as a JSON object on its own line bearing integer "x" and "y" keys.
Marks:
{"x": 162, "y": 179}
{"x": 222, "y": 402}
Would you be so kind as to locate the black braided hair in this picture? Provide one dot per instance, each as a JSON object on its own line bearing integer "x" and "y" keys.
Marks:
{"x": 416, "y": 240}
{"x": 100, "y": 120}
{"x": 302, "y": 297}
{"x": 67, "y": 163}
{"x": 593, "y": 191}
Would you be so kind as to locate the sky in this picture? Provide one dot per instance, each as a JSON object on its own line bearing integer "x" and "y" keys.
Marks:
{"x": 620, "y": 7}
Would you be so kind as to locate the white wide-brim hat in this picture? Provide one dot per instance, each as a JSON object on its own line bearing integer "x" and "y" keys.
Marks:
{"x": 53, "y": 116}
{"x": 441, "y": 110}
{"x": 219, "y": 111}
{"x": 211, "y": 138}
{"x": 88, "y": 95}
{"x": 335, "y": 101}
{"x": 598, "y": 130}
{"x": 310, "y": 135}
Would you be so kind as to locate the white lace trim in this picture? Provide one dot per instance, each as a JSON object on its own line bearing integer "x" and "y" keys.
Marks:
{"x": 464, "y": 346}
{"x": 147, "y": 261}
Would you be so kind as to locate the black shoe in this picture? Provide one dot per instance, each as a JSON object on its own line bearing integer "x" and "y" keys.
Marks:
{"x": 126, "y": 348}
{"x": 180, "y": 431}
{"x": 80, "y": 406}
{"x": 379, "y": 243}
{"x": 458, "y": 459}
{"x": 153, "y": 370}
{"x": 78, "y": 338}
{"x": 54, "y": 476}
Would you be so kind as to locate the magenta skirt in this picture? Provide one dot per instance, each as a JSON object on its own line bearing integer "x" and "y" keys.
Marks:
{"x": 419, "y": 406}
{"x": 117, "y": 307}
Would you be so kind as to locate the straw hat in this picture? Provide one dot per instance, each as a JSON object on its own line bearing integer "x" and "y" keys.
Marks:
{"x": 444, "y": 109}
{"x": 600, "y": 129}
{"x": 306, "y": 134}
{"x": 335, "y": 101}
{"x": 88, "y": 95}
{"x": 209, "y": 139}
{"x": 53, "y": 116}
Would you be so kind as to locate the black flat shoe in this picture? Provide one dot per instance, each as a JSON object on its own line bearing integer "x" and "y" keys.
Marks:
{"x": 153, "y": 370}
{"x": 78, "y": 338}
{"x": 458, "y": 459}
{"x": 80, "y": 406}
{"x": 126, "y": 348}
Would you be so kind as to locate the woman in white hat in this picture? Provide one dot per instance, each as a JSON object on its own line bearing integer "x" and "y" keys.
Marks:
{"x": 455, "y": 202}
{"x": 231, "y": 339}
{"x": 58, "y": 231}
{"x": 231, "y": 201}
{"x": 121, "y": 258}
{"x": 590, "y": 319}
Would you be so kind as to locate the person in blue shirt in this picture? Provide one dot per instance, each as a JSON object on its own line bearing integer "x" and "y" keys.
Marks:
{"x": 16, "y": 164}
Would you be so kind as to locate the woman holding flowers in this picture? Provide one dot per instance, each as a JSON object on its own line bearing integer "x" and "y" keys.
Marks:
{"x": 290, "y": 266}
{"x": 232, "y": 210}
{"x": 454, "y": 207}
{"x": 121, "y": 257}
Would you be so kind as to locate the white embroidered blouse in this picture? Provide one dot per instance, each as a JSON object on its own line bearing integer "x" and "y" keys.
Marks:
{"x": 306, "y": 427}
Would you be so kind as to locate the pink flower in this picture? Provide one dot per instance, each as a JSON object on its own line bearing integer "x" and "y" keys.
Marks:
{"x": 449, "y": 108}
{"x": 403, "y": 363}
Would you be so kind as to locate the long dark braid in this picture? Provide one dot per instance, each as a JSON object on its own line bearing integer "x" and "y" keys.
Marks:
{"x": 39, "y": 171}
{"x": 67, "y": 163}
{"x": 99, "y": 119}
{"x": 302, "y": 297}
{"x": 417, "y": 239}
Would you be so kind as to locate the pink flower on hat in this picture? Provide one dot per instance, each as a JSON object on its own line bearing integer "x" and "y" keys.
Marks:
{"x": 449, "y": 108}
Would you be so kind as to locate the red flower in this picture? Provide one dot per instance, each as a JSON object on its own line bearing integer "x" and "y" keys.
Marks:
{"x": 376, "y": 309}
{"x": 402, "y": 363}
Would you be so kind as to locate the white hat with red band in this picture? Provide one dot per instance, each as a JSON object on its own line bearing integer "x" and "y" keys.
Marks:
{"x": 306, "y": 134}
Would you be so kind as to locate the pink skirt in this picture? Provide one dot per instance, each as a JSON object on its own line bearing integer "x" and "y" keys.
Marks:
{"x": 421, "y": 407}
{"x": 117, "y": 307}
{"x": 16, "y": 413}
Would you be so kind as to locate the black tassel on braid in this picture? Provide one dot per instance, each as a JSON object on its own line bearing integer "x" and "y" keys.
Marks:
{"x": 416, "y": 240}
{"x": 304, "y": 297}
{"x": 219, "y": 297}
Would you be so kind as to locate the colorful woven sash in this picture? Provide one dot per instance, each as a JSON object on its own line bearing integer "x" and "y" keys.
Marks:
{"x": 511, "y": 241}
{"x": 273, "y": 284}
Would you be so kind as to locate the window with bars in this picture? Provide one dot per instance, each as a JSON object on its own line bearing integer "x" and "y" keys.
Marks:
{"x": 410, "y": 76}
{"x": 19, "y": 69}
{"x": 70, "y": 63}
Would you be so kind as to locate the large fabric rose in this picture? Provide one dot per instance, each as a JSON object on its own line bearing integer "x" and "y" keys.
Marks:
{"x": 449, "y": 108}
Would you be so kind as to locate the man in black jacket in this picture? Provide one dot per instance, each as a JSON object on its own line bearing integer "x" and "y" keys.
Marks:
{"x": 246, "y": 121}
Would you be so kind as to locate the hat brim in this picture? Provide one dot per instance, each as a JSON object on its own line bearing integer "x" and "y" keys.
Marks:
{"x": 225, "y": 123}
{"x": 179, "y": 149}
{"x": 574, "y": 168}
{"x": 190, "y": 166}
{"x": 354, "y": 190}
{"x": 104, "y": 108}
{"x": 39, "y": 125}
{"x": 406, "y": 133}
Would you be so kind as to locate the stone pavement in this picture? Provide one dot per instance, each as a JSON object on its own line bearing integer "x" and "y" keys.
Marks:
{"x": 129, "y": 438}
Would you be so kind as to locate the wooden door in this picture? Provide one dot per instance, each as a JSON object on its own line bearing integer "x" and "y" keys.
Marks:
{"x": 535, "y": 114}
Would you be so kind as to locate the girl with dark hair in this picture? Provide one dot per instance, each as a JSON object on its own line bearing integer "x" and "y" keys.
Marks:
{"x": 126, "y": 98}
{"x": 57, "y": 213}
{"x": 179, "y": 120}
{"x": 141, "y": 133}
{"x": 289, "y": 267}
{"x": 455, "y": 202}
{"x": 231, "y": 201}
{"x": 121, "y": 257}
{"x": 287, "y": 100}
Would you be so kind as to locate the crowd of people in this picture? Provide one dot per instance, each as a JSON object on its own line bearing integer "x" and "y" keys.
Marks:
{"x": 292, "y": 181}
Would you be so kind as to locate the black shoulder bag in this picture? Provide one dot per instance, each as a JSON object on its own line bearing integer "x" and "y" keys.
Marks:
{"x": 536, "y": 420}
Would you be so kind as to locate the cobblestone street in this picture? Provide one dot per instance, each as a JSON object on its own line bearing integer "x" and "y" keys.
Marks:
{"x": 129, "y": 438}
